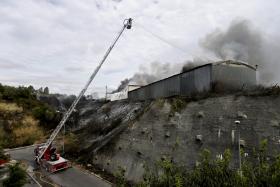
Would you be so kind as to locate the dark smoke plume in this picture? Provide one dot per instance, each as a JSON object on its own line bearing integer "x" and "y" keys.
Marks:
{"x": 157, "y": 71}
{"x": 241, "y": 41}
{"x": 190, "y": 64}
{"x": 122, "y": 85}
{"x": 148, "y": 74}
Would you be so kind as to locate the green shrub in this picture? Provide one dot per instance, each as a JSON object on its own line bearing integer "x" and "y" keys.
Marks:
{"x": 17, "y": 177}
{"x": 160, "y": 102}
{"x": 46, "y": 115}
{"x": 171, "y": 175}
{"x": 209, "y": 172}
{"x": 2, "y": 154}
{"x": 213, "y": 173}
{"x": 274, "y": 171}
{"x": 71, "y": 144}
{"x": 177, "y": 104}
{"x": 120, "y": 178}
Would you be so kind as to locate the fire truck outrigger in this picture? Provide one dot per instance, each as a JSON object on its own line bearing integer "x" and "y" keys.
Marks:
{"x": 46, "y": 155}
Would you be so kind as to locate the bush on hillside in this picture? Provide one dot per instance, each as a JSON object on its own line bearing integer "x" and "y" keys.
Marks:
{"x": 25, "y": 97}
{"x": 17, "y": 177}
{"x": 120, "y": 178}
{"x": 177, "y": 104}
{"x": 3, "y": 156}
{"x": 208, "y": 172}
{"x": 47, "y": 116}
{"x": 71, "y": 144}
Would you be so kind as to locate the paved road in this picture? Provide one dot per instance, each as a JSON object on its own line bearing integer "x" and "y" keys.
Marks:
{"x": 71, "y": 177}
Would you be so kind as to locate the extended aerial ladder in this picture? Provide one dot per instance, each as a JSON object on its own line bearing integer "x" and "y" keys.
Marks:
{"x": 45, "y": 149}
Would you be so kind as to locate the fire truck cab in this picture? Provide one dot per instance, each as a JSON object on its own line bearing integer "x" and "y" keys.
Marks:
{"x": 51, "y": 160}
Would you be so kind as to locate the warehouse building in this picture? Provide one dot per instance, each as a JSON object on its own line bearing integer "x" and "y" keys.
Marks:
{"x": 230, "y": 75}
{"x": 122, "y": 94}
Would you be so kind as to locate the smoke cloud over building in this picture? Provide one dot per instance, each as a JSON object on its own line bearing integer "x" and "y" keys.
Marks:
{"x": 240, "y": 42}
{"x": 148, "y": 74}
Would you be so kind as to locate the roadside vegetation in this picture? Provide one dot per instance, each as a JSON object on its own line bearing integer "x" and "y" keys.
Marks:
{"x": 17, "y": 176}
{"x": 3, "y": 156}
{"x": 23, "y": 118}
{"x": 258, "y": 171}
{"x": 263, "y": 91}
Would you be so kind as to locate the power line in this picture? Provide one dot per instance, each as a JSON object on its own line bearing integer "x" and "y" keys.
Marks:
{"x": 162, "y": 39}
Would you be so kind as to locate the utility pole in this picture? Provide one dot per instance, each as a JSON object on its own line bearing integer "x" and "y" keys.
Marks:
{"x": 63, "y": 139}
{"x": 106, "y": 93}
{"x": 237, "y": 122}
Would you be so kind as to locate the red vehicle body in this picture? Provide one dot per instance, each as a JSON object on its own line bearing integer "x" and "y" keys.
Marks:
{"x": 51, "y": 161}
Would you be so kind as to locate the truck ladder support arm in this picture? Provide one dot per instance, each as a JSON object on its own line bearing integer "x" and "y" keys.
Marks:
{"x": 127, "y": 25}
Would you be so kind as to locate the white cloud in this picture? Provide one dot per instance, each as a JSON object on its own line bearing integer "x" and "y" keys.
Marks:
{"x": 59, "y": 42}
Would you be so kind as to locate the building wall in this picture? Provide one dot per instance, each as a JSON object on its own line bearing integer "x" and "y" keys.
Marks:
{"x": 230, "y": 76}
{"x": 196, "y": 80}
{"x": 122, "y": 94}
{"x": 164, "y": 88}
{"x": 234, "y": 76}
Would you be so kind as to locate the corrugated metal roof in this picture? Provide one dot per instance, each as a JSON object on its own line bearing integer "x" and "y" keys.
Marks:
{"x": 228, "y": 62}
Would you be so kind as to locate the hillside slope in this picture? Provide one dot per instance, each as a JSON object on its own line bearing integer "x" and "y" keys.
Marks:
{"x": 179, "y": 130}
{"x": 23, "y": 119}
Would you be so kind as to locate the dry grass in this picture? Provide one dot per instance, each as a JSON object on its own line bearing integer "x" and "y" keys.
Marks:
{"x": 160, "y": 102}
{"x": 28, "y": 132}
{"x": 10, "y": 107}
{"x": 18, "y": 128}
{"x": 29, "y": 121}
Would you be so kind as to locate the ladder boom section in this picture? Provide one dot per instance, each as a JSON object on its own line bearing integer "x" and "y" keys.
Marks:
{"x": 75, "y": 102}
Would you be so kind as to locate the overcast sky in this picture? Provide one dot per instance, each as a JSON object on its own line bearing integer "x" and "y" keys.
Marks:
{"x": 58, "y": 43}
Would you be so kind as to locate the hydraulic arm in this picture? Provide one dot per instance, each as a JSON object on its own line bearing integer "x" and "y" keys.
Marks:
{"x": 127, "y": 25}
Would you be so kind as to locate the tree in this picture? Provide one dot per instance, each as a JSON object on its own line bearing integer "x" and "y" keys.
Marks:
{"x": 1, "y": 88}
{"x": 46, "y": 90}
{"x": 2, "y": 154}
{"x": 17, "y": 177}
{"x": 40, "y": 90}
{"x": 31, "y": 88}
{"x": 46, "y": 115}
